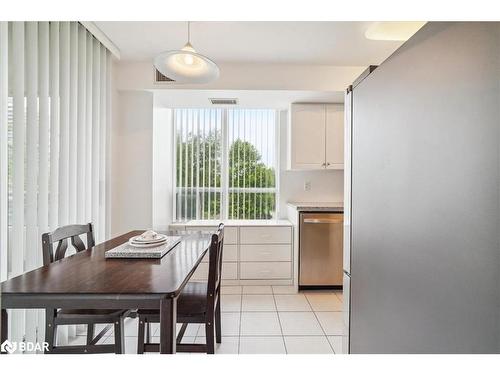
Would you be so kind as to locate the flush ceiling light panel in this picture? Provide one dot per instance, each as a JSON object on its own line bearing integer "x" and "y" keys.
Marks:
{"x": 186, "y": 65}
{"x": 393, "y": 31}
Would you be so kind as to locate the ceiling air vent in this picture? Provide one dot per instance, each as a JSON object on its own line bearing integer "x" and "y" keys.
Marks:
{"x": 223, "y": 101}
{"x": 161, "y": 78}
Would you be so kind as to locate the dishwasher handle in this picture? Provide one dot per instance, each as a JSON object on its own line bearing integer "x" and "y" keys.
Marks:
{"x": 323, "y": 221}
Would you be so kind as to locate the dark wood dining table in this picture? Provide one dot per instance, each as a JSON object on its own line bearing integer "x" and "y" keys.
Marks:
{"x": 87, "y": 280}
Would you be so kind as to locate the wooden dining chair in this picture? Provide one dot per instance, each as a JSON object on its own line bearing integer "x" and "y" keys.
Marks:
{"x": 89, "y": 317}
{"x": 198, "y": 303}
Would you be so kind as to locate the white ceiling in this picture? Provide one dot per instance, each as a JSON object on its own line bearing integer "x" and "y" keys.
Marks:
{"x": 326, "y": 43}
{"x": 277, "y": 99}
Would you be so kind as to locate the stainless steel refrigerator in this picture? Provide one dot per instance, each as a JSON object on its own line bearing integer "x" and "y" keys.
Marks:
{"x": 348, "y": 104}
{"x": 422, "y": 199}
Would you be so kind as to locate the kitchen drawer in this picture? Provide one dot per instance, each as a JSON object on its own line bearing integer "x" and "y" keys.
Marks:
{"x": 175, "y": 227}
{"x": 229, "y": 271}
{"x": 266, "y": 253}
{"x": 265, "y": 270}
{"x": 230, "y": 233}
{"x": 230, "y": 236}
{"x": 264, "y": 235}
{"x": 201, "y": 228}
{"x": 201, "y": 273}
{"x": 229, "y": 254}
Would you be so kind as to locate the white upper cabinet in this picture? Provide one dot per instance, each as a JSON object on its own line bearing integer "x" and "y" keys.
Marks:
{"x": 316, "y": 136}
{"x": 335, "y": 136}
{"x": 307, "y": 136}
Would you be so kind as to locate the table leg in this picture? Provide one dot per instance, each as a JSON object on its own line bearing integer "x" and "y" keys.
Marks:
{"x": 4, "y": 326}
{"x": 168, "y": 322}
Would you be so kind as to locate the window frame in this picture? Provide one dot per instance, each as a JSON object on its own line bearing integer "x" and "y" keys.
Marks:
{"x": 225, "y": 189}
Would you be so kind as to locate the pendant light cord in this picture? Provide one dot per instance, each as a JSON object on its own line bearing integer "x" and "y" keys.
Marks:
{"x": 189, "y": 32}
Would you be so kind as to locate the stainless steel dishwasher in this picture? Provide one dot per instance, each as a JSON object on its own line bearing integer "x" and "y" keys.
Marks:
{"x": 320, "y": 249}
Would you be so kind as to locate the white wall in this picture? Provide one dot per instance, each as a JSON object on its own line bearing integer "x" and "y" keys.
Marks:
{"x": 326, "y": 186}
{"x": 131, "y": 159}
{"x": 162, "y": 168}
{"x": 139, "y": 76}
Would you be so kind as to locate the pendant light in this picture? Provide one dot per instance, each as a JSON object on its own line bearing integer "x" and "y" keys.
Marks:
{"x": 186, "y": 65}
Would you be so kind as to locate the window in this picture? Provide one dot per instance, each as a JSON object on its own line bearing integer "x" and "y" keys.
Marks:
{"x": 226, "y": 163}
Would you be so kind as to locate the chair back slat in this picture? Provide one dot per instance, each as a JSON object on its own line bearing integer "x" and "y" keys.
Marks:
{"x": 215, "y": 267}
{"x": 61, "y": 236}
{"x": 77, "y": 243}
{"x": 62, "y": 246}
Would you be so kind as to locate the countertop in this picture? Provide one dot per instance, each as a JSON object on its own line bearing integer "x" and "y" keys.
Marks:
{"x": 234, "y": 223}
{"x": 318, "y": 206}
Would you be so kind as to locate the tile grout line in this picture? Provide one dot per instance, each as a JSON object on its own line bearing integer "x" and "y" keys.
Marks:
{"x": 239, "y": 325}
{"x": 198, "y": 330}
{"x": 279, "y": 321}
{"x": 341, "y": 300}
{"x": 319, "y": 322}
{"x": 327, "y": 336}
{"x": 317, "y": 319}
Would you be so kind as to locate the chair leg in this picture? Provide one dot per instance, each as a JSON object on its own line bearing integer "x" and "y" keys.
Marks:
{"x": 119, "y": 336}
{"x": 218, "y": 328}
{"x": 50, "y": 329}
{"x": 90, "y": 333}
{"x": 140, "y": 335}
{"x": 209, "y": 333}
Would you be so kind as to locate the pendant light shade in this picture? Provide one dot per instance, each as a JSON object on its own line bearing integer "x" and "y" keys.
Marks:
{"x": 186, "y": 65}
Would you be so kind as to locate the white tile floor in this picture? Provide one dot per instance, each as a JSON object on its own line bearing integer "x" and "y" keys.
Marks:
{"x": 264, "y": 320}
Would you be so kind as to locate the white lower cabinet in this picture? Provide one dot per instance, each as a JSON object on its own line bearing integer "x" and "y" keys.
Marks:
{"x": 229, "y": 254}
{"x": 201, "y": 273}
{"x": 231, "y": 235}
{"x": 252, "y": 253}
{"x": 229, "y": 271}
{"x": 265, "y": 270}
{"x": 266, "y": 253}
{"x": 265, "y": 235}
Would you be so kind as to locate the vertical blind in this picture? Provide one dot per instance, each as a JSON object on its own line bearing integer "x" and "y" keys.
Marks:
{"x": 54, "y": 110}
{"x": 199, "y": 163}
{"x": 226, "y": 162}
{"x": 252, "y": 164}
